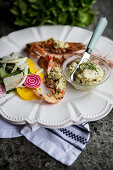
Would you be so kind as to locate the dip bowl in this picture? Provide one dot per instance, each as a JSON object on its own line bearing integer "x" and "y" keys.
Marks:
{"x": 85, "y": 87}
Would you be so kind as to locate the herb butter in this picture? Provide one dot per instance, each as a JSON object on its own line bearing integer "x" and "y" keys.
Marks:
{"x": 87, "y": 73}
{"x": 56, "y": 75}
{"x": 58, "y": 43}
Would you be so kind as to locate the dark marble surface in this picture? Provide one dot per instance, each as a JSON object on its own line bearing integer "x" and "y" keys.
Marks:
{"x": 18, "y": 153}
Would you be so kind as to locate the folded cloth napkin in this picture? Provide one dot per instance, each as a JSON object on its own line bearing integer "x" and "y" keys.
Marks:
{"x": 63, "y": 144}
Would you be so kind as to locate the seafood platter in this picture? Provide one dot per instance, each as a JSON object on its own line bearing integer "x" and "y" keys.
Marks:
{"x": 35, "y": 86}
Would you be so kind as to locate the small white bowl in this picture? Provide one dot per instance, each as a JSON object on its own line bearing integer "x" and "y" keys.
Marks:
{"x": 86, "y": 87}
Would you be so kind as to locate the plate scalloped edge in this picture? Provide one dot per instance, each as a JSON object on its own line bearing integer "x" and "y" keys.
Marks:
{"x": 68, "y": 118}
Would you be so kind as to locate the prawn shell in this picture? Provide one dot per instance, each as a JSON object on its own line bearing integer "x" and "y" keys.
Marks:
{"x": 46, "y": 98}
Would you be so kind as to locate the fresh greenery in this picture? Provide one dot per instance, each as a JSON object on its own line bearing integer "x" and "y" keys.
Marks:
{"x": 9, "y": 67}
{"x": 10, "y": 91}
{"x": 4, "y": 74}
{"x": 39, "y": 12}
{"x": 14, "y": 73}
{"x": 90, "y": 65}
{"x": 1, "y": 80}
{"x": 29, "y": 71}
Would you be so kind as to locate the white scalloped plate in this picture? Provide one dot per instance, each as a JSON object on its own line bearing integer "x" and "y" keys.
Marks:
{"x": 76, "y": 107}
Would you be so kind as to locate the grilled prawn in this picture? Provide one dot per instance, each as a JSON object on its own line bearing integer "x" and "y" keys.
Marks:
{"x": 54, "y": 47}
{"x": 54, "y": 80}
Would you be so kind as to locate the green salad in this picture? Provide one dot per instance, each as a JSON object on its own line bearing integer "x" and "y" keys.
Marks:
{"x": 13, "y": 71}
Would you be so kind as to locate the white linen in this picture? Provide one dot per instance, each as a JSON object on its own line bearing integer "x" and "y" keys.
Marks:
{"x": 63, "y": 144}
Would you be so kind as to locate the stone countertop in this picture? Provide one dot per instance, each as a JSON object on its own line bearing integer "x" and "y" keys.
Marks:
{"x": 19, "y": 153}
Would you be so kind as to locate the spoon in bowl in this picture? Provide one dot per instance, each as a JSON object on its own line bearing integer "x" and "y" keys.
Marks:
{"x": 94, "y": 38}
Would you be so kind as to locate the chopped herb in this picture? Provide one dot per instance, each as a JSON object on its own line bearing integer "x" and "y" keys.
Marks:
{"x": 90, "y": 65}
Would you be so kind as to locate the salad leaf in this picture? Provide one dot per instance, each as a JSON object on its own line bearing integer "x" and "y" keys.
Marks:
{"x": 13, "y": 74}
{"x": 1, "y": 80}
{"x": 10, "y": 91}
{"x": 3, "y": 73}
{"x": 9, "y": 67}
{"x": 39, "y": 12}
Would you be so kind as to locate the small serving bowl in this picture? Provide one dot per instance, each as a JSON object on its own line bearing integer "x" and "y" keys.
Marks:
{"x": 86, "y": 87}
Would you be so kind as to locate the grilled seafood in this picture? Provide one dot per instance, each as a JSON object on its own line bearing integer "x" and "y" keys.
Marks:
{"x": 57, "y": 52}
{"x": 56, "y": 89}
{"x": 54, "y": 47}
{"x": 51, "y": 54}
{"x": 51, "y": 97}
{"x": 54, "y": 80}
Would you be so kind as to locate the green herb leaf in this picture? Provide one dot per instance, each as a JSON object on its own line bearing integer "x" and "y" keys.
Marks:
{"x": 13, "y": 74}
{"x": 20, "y": 23}
{"x": 3, "y": 73}
{"x": 14, "y": 11}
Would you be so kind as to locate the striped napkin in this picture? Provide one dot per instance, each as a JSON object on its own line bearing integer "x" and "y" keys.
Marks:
{"x": 63, "y": 144}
